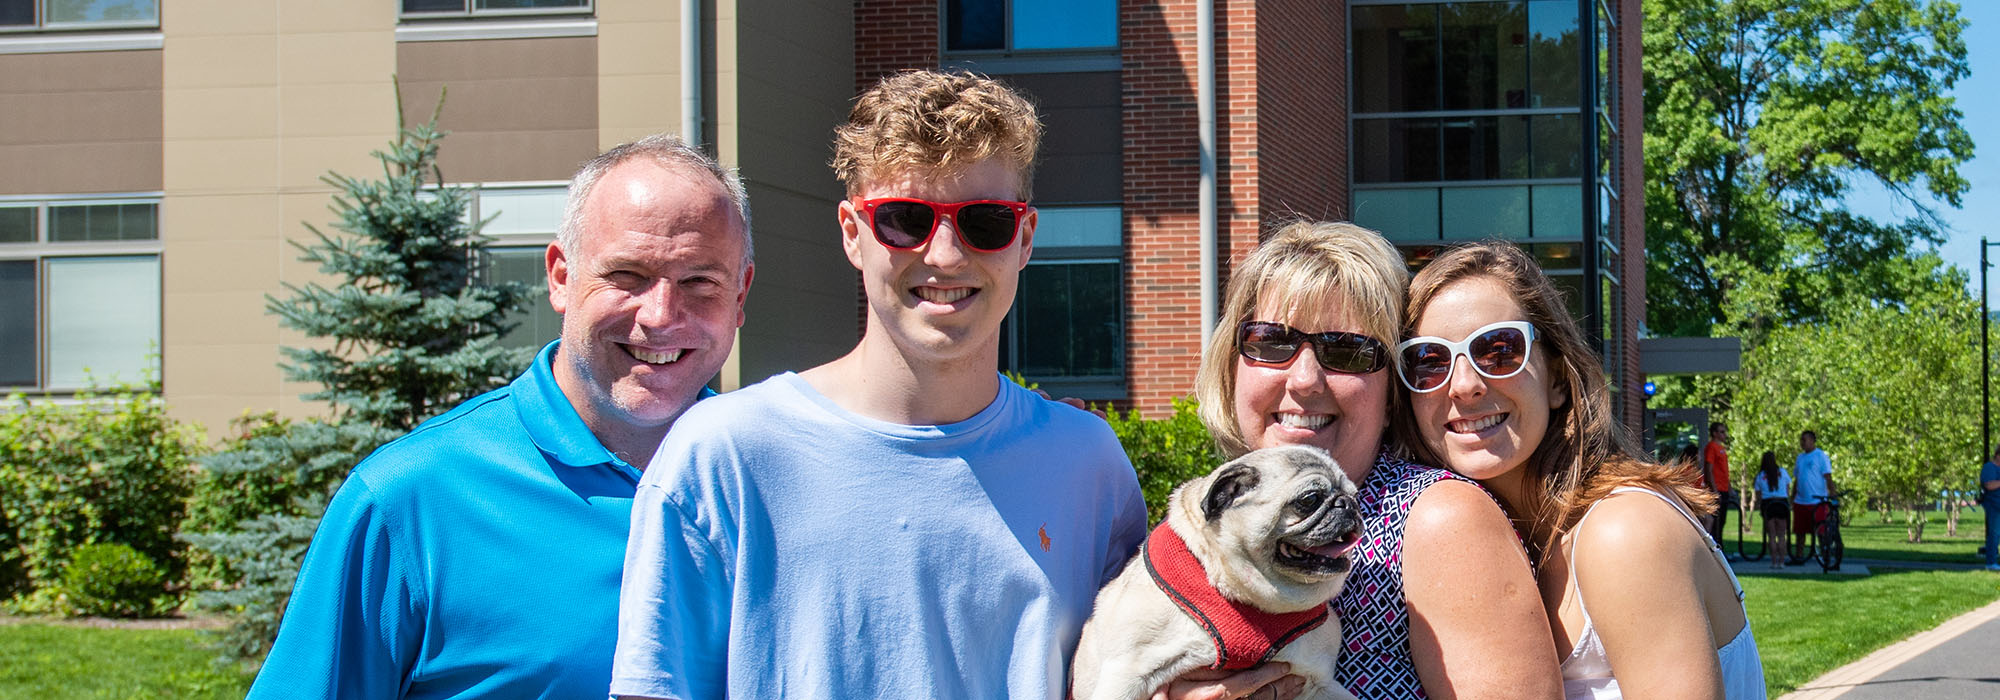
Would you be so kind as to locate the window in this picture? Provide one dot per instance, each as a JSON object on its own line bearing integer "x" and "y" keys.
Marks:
{"x": 1467, "y": 120}
{"x": 30, "y": 15}
{"x": 1029, "y": 25}
{"x": 521, "y": 221}
{"x": 1067, "y": 328}
{"x": 463, "y": 8}
{"x": 79, "y": 291}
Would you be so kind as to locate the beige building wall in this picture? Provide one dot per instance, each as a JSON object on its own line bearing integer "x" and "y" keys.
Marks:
{"x": 516, "y": 109}
{"x": 81, "y": 122}
{"x": 638, "y": 70}
{"x": 259, "y": 100}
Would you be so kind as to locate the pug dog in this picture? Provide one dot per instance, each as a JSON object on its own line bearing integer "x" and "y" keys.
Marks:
{"x": 1240, "y": 573}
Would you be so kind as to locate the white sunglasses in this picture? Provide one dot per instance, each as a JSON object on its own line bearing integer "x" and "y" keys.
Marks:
{"x": 1497, "y": 351}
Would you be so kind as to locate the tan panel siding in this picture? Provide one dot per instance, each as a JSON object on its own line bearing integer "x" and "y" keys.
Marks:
{"x": 783, "y": 79}
{"x": 80, "y": 122}
{"x": 517, "y": 109}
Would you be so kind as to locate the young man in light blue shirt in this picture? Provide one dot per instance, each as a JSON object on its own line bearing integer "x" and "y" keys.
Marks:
{"x": 479, "y": 556}
{"x": 902, "y": 521}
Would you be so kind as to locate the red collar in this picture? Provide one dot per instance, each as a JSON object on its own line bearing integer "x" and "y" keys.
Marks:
{"x": 1243, "y": 635}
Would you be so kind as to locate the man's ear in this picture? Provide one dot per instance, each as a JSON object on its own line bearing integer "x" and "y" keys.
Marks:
{"x": 557, "y": 261}
{"x": 850, "y": 231}
{"x": 1027, "y": 234}
{"x": 743, "y": 292}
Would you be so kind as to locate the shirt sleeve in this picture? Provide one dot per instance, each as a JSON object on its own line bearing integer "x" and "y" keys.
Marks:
{"x": 353, "y": 623}
{"x": 673, "y": 609}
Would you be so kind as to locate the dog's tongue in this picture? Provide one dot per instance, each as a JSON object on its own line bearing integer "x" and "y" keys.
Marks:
{"x": 1337, "y": 548}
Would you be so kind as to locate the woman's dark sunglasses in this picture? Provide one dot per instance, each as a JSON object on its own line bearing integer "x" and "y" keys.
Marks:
{"x": 1277, "y": 344}
{"x": 903, "y": 223}
{"x": 1497, "y": 351}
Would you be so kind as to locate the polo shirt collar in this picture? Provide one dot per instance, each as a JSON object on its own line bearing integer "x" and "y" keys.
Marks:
{"x": 552, "y": 423}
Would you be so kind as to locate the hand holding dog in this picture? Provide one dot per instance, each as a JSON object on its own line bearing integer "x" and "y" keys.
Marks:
{"x": 1203, "y": 684}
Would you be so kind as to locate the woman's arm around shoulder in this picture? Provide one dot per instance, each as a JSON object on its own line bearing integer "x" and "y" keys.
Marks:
{"x": 1477, "y": 628}
{"x": 1636, "y": 564}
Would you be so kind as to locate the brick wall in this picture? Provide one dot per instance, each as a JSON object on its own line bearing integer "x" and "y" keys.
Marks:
{"x": 892, "y": 35}
{"x": 1163, "y": 177}
{"x": 1302, "y": 105}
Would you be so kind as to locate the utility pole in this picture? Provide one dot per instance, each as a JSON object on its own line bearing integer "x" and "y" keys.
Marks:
{"x": 1985, "y": 363}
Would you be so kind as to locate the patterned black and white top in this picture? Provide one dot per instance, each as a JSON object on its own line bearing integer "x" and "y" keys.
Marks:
{"x": 1374, "y": 623}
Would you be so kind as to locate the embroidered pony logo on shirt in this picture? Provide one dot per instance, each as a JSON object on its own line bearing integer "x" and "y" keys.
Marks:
{"x": 1044, "y": 533}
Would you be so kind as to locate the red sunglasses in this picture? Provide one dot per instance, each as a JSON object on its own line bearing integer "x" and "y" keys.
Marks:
{"x": 984, "y": 225}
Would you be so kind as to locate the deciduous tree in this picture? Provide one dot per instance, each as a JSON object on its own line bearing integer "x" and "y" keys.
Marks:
{"x": 1760, "y": 116}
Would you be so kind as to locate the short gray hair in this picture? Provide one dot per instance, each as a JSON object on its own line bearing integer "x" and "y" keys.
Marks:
{"x": 665, "y": 149}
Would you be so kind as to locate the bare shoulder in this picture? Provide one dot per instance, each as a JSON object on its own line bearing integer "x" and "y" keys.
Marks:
{"x": 1455, "y": 530}
{"x": 1630, "y": 528}
{"x": 1453, "y": 510}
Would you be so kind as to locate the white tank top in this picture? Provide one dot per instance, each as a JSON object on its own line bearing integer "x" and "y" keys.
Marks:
{"x": 1587, "y": 671}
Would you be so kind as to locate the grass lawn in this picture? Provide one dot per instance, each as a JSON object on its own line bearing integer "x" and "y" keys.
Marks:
{"x": 63, "y": 661}
{"x": 1867, "y": 537}
{"x": 1809, "y": 625}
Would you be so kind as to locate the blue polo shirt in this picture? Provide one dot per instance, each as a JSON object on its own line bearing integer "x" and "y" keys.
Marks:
{"x": 477, "y": 556}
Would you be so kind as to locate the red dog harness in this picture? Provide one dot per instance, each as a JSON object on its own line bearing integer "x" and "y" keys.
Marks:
{"x": 1243, "y": 635}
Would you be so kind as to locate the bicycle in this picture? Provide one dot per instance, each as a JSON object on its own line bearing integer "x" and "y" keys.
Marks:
{"x": 1744, "y": 541}
{"x": 1827, "y": 547}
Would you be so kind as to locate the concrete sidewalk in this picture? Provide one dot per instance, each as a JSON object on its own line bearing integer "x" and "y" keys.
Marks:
{"x": 1958, "y": 660}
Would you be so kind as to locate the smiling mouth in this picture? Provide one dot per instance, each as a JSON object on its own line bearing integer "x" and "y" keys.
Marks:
{"x": 652, "y": 357}
{"x": 941, "y": 295}
{"x": 1476, "y": 425}
{"x": 1313, "y": 421}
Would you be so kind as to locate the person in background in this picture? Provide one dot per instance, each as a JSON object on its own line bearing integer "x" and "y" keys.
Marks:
{"x": 1715, "y": 456}
{"x": 1440, "y": 601}
{"x": 1989, "y": 500}
{"x": 1773, "y": 484}
{"x": 479, "y": 555}
{"x": 1504, "y": 389}
{"x": 1812, "y": 485}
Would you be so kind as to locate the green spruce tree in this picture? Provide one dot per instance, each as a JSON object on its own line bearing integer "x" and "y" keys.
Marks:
{"x": 406, "y": 331}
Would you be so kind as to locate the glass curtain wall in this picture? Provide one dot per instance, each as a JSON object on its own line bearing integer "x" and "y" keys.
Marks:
{"x": 1471, "y": 121}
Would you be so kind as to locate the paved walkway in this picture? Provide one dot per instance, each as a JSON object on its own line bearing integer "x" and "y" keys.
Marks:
{"x": 1958, "y": 660}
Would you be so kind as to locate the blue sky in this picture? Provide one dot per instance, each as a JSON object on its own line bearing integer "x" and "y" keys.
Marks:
{"x": 1979, "y": 99}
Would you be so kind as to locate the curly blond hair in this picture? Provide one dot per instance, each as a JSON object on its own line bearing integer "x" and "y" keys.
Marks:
{"x": 935, "y": 122}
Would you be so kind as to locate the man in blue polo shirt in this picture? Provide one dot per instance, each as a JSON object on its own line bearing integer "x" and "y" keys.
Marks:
{"x": 480, "y": 555}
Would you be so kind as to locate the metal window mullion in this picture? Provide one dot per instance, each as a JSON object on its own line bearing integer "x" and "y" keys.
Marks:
{"x": 1450, "y": 113}
{"x": 1464, "y": 184}
{"x": 1007, "y": 30}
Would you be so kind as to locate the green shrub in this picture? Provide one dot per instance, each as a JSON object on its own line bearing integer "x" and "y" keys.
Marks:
{"x": 1165, "y": 451}
{"x": 106, "y": 467}
{"x": 113, "y": 580}
{"x": 224, "y": 498}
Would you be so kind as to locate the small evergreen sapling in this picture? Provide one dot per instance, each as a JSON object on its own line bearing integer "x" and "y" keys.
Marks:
{"x": 407, "y": 331}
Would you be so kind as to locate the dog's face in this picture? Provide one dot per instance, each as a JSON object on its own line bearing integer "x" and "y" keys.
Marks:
{"x": 1276, "y": 525}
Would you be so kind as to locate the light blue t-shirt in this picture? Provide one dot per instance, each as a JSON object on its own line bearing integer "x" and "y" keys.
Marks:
{"x": 784, "y": 547}
{"x": 1766, "y": 489}
{"x": 1813, "y": 470}
{"x": 476, "y": 557}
